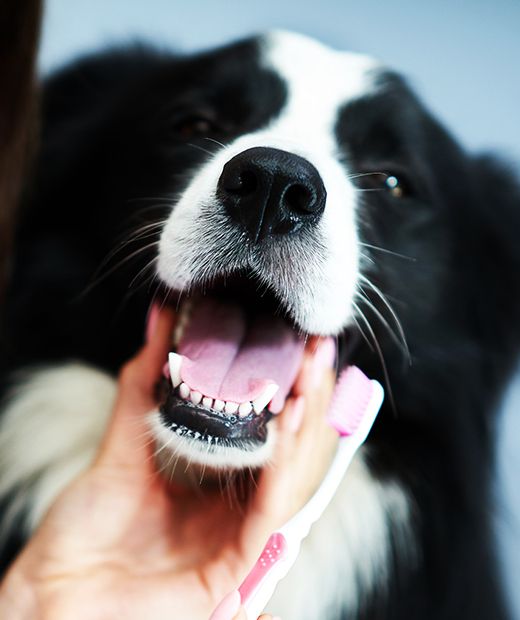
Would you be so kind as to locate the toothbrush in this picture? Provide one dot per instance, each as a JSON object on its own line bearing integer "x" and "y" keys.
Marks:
{"x": 354, "y": 408}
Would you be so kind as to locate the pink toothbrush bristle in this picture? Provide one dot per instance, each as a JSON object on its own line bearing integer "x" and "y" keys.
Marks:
{"x": 351, "y": 398}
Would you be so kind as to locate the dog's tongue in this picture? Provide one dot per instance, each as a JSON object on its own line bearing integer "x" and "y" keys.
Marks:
{"x": 232, "y": 357}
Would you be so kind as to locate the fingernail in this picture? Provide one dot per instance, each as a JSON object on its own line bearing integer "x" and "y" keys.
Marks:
{"x": 151, "y": 322}
{"x": 228, "y": 607}
{"x": 295, "y": 417}
{"x": 324, "y": 357}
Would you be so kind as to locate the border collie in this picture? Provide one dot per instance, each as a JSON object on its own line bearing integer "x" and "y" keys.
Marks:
{"x": 273, "y": 189}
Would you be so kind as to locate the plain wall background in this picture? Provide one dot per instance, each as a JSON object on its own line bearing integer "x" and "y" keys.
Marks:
{"x": 463, "y": 57}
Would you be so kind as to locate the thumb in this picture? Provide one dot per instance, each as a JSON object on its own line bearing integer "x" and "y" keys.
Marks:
{"x": 126, "y": 442}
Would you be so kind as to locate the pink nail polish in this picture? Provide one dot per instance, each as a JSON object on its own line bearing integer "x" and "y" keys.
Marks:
{"x": 296, "y": 415}
{"x": 228, "y": 607}
{"x": 151, "y": 322}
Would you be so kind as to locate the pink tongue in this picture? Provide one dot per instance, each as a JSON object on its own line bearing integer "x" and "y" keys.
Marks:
{"x": 234, "y": 359}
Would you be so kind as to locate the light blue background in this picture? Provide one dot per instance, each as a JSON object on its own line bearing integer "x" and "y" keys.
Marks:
{"x": 462, "y": 56}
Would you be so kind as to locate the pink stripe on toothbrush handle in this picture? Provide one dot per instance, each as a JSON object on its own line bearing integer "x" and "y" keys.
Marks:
{"x": 275, "y": 550}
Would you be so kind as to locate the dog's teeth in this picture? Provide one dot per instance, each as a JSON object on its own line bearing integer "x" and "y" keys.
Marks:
{"x": 196, "y": 434}
{"x": 207, "y": 402}
{"x": 231, "y": 407}
{"x": 260, "y": 403}
{"x": 174, "y": 363}
{"x": 245, "y": 409}
{"x": 195, "y": 397}
{"x": 184, "y": 391}
{"x": 179, "y": 432}
{"x": 219, "y": 405}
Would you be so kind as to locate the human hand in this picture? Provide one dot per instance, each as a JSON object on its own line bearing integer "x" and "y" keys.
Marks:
{"x": 120, "y": 542}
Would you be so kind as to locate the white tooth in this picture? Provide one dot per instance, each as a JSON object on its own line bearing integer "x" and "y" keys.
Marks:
{"x": 260, "y": 403}
{"x": 245, "y": 409}
{"x": 184, "y": 391}
{"x": 196, "y": 434}
{"x": 195, "y": 397}
{"x": 175, "y": 361}
{"x": 219, "y": 405}
{"x": 231, "y": 407}
{"x": 207, "y": 402}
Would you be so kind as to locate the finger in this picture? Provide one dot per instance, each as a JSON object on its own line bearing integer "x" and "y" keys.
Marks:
{"x": 228, "y": 607}
{"x": 301, "y": 432}
{"x": 143, "y": 371}
{"x": 127, "y": 441}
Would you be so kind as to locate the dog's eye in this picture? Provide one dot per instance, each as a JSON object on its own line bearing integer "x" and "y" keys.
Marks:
{"x": 194, "y": 126}
{"x": 392, "y": 184}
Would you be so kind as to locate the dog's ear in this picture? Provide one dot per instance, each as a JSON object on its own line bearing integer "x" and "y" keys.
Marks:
{"x": 497, "y": 220}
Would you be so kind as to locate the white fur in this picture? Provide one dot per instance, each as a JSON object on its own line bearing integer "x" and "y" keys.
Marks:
{"x": 49, "y": 432}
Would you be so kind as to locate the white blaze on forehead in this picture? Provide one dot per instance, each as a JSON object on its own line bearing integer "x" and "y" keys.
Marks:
{"x": 319, "y": 81}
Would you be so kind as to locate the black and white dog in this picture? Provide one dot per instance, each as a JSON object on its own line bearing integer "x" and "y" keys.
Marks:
{"x": 284, "y": 189}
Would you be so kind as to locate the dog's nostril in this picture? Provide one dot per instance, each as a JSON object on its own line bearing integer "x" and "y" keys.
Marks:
{"x": 299, "y": 199}
{"x": 242, "y": 184}
{"x": 270, "y": 192}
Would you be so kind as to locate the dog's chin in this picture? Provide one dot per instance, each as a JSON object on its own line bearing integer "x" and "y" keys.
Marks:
{"x": 180, "y": 448}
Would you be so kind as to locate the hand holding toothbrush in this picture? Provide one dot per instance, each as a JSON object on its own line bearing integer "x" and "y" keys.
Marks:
{"x": 119, "y": 542}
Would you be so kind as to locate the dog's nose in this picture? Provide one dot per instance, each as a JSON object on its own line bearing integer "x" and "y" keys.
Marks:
{"x": 271, "y": 192}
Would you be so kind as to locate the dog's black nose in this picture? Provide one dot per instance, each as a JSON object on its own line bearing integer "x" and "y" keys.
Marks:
{"x": 271, "y": 192}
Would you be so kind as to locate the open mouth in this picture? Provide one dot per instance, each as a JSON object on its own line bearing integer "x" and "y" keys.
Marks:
{"x": 236, "y": 355}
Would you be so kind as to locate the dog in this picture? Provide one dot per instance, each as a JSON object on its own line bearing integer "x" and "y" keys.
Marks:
{"x": 272, "y": 189}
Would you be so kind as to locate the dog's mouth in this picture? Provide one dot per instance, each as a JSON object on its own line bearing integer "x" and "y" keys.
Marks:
{"x": 236, "y": 355}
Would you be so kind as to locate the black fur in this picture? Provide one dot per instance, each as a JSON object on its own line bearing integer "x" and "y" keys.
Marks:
{"x": 117, "y": 143}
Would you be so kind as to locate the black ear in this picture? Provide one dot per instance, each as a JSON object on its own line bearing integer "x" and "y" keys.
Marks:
{"x": 497, "y": 243}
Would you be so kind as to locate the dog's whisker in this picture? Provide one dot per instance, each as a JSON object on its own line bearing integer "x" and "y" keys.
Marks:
{"x": 386, "y": 251}
{"x": 398, "y": 338}
{"x": 391, "y": 310}
{"x": 379, "y": 352}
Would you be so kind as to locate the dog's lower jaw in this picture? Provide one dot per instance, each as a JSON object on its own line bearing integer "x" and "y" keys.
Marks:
{"x": 192, "y": 459}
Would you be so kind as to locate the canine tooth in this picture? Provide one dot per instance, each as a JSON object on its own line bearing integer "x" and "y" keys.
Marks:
{"x": 245, "y": 409}
{"x": 174, "y": 362}
{"x": 231, "y": 407}
{"x": 195, "y": 397}
{"x": 179, "y": 432}
{"x": 196, "y": 434}
{"x": 184, "y": 391}
{"x": 260, "y": 403}
{"x": 207, "y": 402}
{"x": 219, "y": 405}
